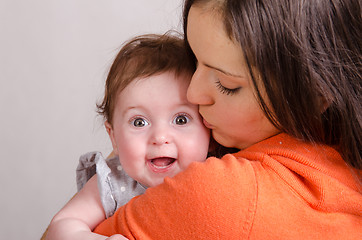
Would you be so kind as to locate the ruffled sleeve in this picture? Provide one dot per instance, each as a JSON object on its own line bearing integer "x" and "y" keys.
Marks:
{"x": 116, "y": 188}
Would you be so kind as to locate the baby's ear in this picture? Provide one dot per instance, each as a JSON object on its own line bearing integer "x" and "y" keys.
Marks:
{"x": 110, "y": 132}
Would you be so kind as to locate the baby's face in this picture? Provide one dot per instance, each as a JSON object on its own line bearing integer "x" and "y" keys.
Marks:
{"x": 156, "y": 131}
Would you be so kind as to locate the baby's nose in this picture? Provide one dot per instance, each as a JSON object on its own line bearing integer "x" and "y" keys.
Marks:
{"x": 161, "y": 134}
{"x": 160, "y": 139}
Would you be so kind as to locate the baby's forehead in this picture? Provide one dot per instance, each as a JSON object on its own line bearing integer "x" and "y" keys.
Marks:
{"x": 155, "y": 96}
{"x": 166, "y": 86}
{"x": 181, "y": 78}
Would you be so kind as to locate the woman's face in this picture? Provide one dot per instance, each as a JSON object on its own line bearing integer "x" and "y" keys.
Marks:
{"x": 221, "y": 84}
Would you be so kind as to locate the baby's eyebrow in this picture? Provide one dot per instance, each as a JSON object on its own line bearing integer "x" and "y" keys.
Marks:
{"x": 125, "y": 111}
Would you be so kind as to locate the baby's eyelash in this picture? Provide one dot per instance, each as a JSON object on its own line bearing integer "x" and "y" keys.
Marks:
{"x": 183, "y": 114}
{"x": 184, "y": 117}
{"x": 138, "y": 121}
{"x": 225, "y": 90}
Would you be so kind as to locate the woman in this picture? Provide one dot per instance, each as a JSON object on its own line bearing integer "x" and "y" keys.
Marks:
{"x": 280, "y": 80}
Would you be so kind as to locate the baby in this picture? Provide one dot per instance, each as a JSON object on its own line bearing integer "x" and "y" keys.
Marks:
{"x": 154, "y": 130}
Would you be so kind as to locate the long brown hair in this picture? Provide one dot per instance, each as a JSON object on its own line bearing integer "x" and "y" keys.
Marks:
{"x": 308, "y": 55}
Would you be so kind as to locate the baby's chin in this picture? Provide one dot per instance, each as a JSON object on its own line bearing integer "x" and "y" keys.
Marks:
{"x": 154, "y": 182}
{"x": 149, "y": 182}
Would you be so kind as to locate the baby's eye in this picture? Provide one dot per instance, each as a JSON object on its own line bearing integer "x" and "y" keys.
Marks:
{"x": 139, "y": 122}
{"x": 181, "y": 120}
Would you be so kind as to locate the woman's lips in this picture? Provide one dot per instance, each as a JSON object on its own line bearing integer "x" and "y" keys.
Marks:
{"x": 208, "y": 125}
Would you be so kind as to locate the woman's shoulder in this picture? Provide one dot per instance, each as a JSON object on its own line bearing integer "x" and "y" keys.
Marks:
{"x": 214, "y": 191}
{"x": 285, "y": 146}
{"x": 218, "y": 181}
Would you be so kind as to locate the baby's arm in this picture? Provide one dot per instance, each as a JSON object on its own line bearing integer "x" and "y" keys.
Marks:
{"x": 80, "y": 216}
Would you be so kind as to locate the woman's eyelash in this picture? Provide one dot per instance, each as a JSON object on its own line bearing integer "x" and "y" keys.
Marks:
{"x": 225, "y": 90}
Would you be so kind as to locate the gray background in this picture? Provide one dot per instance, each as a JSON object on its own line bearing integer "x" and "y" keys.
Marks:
{"x": 54, "y": 57}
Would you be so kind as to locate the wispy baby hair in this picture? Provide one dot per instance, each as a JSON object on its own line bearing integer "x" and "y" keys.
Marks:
{"x": 140, "y": 57}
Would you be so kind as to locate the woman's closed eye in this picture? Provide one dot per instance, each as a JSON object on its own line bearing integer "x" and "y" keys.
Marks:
{"x": 225, "y": 90}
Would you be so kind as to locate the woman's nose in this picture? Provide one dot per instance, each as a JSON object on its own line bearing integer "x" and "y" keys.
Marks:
{"x": 199, "y": 91}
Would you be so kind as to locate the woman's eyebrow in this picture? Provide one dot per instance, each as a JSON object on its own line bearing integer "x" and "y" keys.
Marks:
{"x": 223, "y": 71}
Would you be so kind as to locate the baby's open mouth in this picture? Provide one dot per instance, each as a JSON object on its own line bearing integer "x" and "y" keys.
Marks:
{"x": 162, "y": 162}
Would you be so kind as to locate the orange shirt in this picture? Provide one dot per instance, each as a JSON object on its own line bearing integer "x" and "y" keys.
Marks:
{"x": 280, "y": 188}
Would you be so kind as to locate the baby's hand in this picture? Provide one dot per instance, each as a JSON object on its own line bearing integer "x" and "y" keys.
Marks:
{"x": 117, "y": 237}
